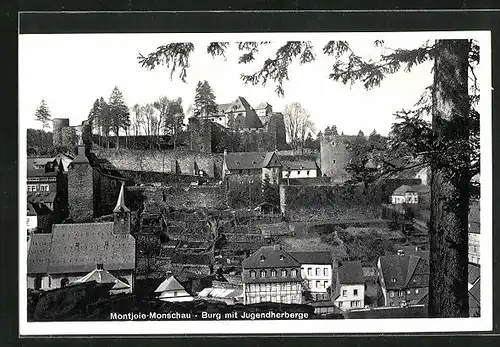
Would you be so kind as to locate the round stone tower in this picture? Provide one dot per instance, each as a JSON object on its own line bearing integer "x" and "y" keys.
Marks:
{"x": 59, "y": 125}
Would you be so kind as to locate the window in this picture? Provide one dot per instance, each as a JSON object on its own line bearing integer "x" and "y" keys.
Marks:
{"x": 325, "y": 271}
{"x": 262, "y": 258}
{"x": 344, "y": 292}
{"x": 311, "y": 284}
{"x": 309, "y": 271}
{"x": 44, "y": 187}
{"x": 408, "y": 292}
{"x": 318, "y": 283}
{"x": 391, "y": 294}
{"x": 307, "y": 172}
{"x": 400, "y": 293}
{"x": 106, "y": 244}
{"x": 113, "y": 183}
{"x": 355, "y": 292}
{"x": 318, "y": 271}
{"x": 252, "y": 274}
{"x": 175, "y": 293}
{"x": 325, "y": 284}
{"x": 416, "y": 291}
{"x": 283, "y": 273}
{"x": 262, "y": 273}
{"x": 31, "y": 187}
{"x": 77, "y": 246}
{"x": 340, "y": 304}
{"x": 282, "y": 257}
{"x": 298, "y": 172}
{"x": 293, "y": 273}
{"x": 393, "y": 280}
{"x": 273, "y": 273}
{"x": 334, "y": 161}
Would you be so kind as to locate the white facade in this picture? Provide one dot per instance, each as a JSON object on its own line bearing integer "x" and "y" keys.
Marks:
{"x": 301, "y": 173}
{"x": 175, "y": 296}
{"x": 474, "y": 254}
{"x": 31, "y": 222}
{"x": 351, "y": 296}
{"x": 407, "y": 198}
{"x": 318, "y": 277}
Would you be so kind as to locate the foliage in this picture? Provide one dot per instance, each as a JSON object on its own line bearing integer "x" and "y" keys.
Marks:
{"x": 204, "y": 100}
{"x": 271, "y": 192}
{"x": 298, "y": 124}
{"x": 118, "y": 113}
{"x": 43, "y": 115}
{"x": 37, "y": 138}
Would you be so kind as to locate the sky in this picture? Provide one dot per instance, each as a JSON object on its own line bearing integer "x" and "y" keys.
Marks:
{"x": 70, "y": 71}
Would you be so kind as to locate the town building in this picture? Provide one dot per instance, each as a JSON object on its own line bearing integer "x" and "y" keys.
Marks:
{"x": 71, "y": 251}
{"x": 299, "y": 168}
{"x": 171, "y": 290}
{"x": 45, "y": 184}
{"x": 271, "y": 275}
{"x": 474, "y": 233}
{"x": 406, "y": 194}
{"x": 254, "y": 164}
{"x": 404, "y": 279}
{"x": 101, "y": 275}
{"x": 349, "y": 286}
{"x": 317, "y": 269}
{"x": 424, "y": 175}
{"x": 474, "y": 288}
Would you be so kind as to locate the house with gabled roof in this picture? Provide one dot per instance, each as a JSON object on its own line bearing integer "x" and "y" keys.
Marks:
{"x": 259, "y": 164}
{"x": 404, "y": 279}
{"x": 271, "y": 275}
{"x": 171, "y": 290}
{"x": 72, "y": 250}
{"x": 299, "y": 167}
{"x": 406, "y": 194}
{"x": 349, "y": 286}
{"x": 317, "y": 269}
{"x": 101, "y": 275}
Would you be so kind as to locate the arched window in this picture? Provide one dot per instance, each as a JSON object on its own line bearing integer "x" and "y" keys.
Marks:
{"x": 262, "y": 273}
{"x": 273, "y": 273}
{"x": 293, "y": 273}
{"x": 283, "y": 273}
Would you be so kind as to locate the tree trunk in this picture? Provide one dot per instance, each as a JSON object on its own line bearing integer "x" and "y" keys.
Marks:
{"x": 448, "y": 282}
{"x": 117, "y": 130}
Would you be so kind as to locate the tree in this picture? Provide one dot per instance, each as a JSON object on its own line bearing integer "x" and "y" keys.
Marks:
{"x": 271, "y": 192}
{"x": 450, "y": 141}
{"x": 171, "y": 118}
{"x": 100, "y": 119}
{"x": 204, "y": 100}
{"x": 297, "y": 124}
{"x": 119, "y": 113}
{"x": 43, "y": 115}
{"x": 331, "y": 130}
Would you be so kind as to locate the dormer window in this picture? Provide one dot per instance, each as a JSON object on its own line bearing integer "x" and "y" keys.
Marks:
{"x": 252, "y": 274}
{"x": 393, "y": 280}
{"x": 262, "y": 258}
{"x": 273, "y": 273}
{"x": 262, "y": 273}
{"x": 293, "y": 273}
{"x": 283, "y": 273}
{"x": 282, "y": 257}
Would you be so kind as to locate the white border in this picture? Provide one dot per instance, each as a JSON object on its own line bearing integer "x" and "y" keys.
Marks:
{"x": 406, "y": 325}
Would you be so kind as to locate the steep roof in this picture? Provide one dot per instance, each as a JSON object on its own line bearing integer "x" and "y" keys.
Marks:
{"x": 298, "y": 164}
{"x": 40, "y": 173}
{"x": 350, "y": 272}
{"x": 262, "y": 105}
{"x": 313, "y": 257}
{"x": 249, "y": 160}
{"x": 401, "y": 271}
{"x": 38, "y": 253}
{"x": 169, "y": 284}
{"x": 402, "y": 190}
{"x": 79, "y": 247}
{"x": 103, "y": 276}
{"x": 270, "y": 257}
{"x": 81, "y": 158}
{"x": 120, "y": 204}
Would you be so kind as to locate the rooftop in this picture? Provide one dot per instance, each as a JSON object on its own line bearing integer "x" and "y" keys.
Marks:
{"x": 270, "y": 257}
{"x": 250, "y": 160}
{"x": 350, "y": 272}
{"x": 313, "y": 257}
{"x": 404, "y": 271}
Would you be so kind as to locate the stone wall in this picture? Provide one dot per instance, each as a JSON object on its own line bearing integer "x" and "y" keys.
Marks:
{"x": 169, "y": 161}
{"x": 205, "y": 196}
{"x": 320, "y": 202}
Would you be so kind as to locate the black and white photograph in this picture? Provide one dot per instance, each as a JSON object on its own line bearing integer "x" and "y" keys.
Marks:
{"x": 235, "y": 183}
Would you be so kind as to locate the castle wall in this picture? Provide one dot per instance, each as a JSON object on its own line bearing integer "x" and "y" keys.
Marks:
{"x": 170, "y": 162}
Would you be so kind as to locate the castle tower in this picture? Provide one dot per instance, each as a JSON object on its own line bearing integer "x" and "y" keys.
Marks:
{"x": 59, "y": 124}
{"x": 121, "y": 214}
{"x": 334, "y": 157}
{"x": 80, "y": 188}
